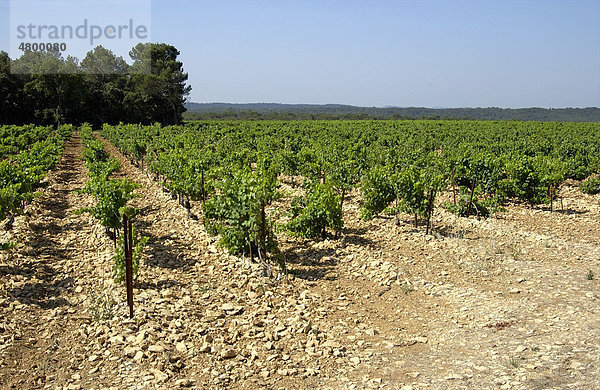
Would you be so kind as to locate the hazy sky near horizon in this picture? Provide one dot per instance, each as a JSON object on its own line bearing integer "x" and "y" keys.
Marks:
{"x": 377, "y": 53}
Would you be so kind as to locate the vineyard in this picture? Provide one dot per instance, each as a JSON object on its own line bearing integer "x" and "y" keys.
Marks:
{"x": 235, "y": 169}
{"x": 312, "y": 254}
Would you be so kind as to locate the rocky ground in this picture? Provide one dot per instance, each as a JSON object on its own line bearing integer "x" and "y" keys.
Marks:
{"x": 510, "y": 302}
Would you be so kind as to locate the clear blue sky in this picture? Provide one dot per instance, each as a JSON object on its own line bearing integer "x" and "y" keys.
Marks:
{"x": 376, "y": 53}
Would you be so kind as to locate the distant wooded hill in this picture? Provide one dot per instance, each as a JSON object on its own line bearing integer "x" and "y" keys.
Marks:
{"x": 339, "y": 111}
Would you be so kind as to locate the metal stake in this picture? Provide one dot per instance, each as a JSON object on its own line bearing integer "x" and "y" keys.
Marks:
{"x": 127, "y": 242}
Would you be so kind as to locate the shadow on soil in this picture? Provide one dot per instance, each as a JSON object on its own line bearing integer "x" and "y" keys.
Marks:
{"x": 451, "y": 232}
{"x": 44, "y": 294}
{"x": 40, "y": 271}
{"x": 559, "y": 210}
{"x": 161, "y": 284}
{"x": 311, "y": 263}
{"x": 357, "y": 237}
{"x": 569, "y": 212}
{"x": 58, "y": 204}
{"x": 165, "y": 251}
{"x": 43, "y": 245}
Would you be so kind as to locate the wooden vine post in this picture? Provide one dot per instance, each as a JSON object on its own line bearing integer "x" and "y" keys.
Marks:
{"x": 471, "y": 198}
{"x": 428, "y": 212}
{"x": 263, "y": 230}
{"x": 203, "y": 190}
{"x": 453, "y": 187}
{"x": 128, "y": 247}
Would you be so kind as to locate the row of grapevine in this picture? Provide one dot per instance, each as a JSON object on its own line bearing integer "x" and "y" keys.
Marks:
{"x": 15, "y": 139}
{"x": 28, "y": 153}
{"x": 112, "y": 196}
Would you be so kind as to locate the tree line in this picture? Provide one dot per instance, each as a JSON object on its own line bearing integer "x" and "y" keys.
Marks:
{"x": 273, "y": 111}
{"x": 44, "y": 88}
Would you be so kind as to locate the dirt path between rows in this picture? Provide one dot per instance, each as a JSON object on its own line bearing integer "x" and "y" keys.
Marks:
{"x": 499, "y": 303}
{"x": 41, "y": 281}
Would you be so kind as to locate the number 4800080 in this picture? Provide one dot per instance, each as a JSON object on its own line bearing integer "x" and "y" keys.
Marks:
{"x": 42, "y": 46}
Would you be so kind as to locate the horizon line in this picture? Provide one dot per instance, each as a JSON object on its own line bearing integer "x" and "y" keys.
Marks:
{"x": 392, "y": 106}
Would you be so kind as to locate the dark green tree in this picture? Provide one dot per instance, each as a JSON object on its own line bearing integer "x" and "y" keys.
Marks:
{"x": 157, "y": 90}
{"x": 11, "y": 93}
{"x": 105, "y": 75}
{"x": 53, "y": 88}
